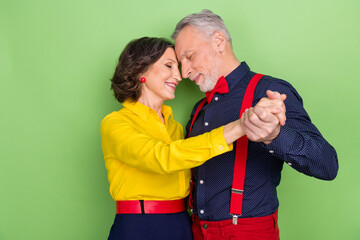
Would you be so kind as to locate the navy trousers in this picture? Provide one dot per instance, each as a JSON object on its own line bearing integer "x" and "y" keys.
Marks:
{"x": 171, "y": 226}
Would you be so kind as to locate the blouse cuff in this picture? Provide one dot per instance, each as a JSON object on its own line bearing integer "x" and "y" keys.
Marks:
{"x": 219, "y": 145}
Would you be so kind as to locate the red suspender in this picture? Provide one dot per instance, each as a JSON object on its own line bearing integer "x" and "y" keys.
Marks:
{"x": 240, "y": 154}
{"x": 192, "y": 122}
{"x": 196, "y": 113}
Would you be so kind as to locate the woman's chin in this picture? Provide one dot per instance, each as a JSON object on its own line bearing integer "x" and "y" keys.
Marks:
{"x": 170, "y": 97}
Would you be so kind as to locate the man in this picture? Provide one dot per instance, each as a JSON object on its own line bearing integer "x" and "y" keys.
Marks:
{"x": 222, "y": 211}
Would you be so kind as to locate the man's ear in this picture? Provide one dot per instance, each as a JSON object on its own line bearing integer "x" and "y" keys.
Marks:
{"x": 219, "y": 41}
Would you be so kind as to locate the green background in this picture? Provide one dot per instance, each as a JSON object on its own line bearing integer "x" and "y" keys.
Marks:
{"x": 56, "y": 59}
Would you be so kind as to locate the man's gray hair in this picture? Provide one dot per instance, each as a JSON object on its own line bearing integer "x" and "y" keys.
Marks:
{"x": 205, "y": 21}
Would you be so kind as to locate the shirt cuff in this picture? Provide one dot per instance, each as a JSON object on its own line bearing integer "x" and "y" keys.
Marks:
{"x": 280, "y": 146}
{"x": 218, "y": 143}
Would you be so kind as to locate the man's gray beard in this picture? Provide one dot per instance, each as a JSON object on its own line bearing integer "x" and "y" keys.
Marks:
{"x": 209, "y": 84}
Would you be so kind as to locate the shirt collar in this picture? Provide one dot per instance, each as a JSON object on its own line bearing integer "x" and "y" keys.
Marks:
{"x": 144, "y": 111}
{"x": 237, "y": 74}
{"x": 220, "y": 87}
{"x": 166, "y": 112}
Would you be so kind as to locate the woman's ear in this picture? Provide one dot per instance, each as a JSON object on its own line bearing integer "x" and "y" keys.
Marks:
{"x": 219, "y": 41}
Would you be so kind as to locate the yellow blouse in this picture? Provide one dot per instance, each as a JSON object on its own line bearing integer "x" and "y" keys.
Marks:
{"x": 147, "y": 159}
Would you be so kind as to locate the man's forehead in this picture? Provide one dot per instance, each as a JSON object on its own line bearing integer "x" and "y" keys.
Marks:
{"x": 181, "y": 50}
{"x": 185, "y": 41}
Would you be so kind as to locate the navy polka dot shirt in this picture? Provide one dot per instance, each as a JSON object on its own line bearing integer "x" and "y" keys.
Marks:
{"x": 299, "y": 144}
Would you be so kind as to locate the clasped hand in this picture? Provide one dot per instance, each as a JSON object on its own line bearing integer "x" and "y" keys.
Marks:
{"x": 262, "y": 122}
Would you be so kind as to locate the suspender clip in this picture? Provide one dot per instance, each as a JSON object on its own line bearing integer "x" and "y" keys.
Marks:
{"x": 237, "y": 191}
{"x": 234, "y": 219}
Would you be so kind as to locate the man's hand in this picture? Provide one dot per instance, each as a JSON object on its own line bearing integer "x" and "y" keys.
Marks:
{"x": 273, "y": 101}
{"x": 262, "y": 123}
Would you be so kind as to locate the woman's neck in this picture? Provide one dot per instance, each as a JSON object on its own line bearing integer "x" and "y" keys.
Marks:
{"x": 155, "y": 105}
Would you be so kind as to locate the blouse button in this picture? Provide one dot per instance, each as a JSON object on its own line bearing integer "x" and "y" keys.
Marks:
{"x": 206, "y": 124}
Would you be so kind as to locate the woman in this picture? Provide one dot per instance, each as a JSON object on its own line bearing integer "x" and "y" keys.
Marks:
{"x": 147, "y": 159}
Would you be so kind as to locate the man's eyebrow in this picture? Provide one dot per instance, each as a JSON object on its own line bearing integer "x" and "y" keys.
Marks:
{"x": 183, "y": 55}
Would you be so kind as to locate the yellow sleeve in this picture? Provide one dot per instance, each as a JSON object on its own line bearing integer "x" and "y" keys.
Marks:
{"x": 124, "y": 142}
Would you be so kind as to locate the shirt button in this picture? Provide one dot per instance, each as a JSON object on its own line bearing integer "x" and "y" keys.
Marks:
{"x": 205, "y": 226}
{"x": 221, "y": 147}
{"x": 206, "y": 123}
{"x": 289, "y": 163}
{"x": 202, "y": 211}
{"x": 216, "y": 98}
{"x": 201, "y": 181}
{"x": 271, "y": 151}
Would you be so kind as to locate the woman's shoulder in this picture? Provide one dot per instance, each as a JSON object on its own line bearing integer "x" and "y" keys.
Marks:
{"x": 122, "y": 115}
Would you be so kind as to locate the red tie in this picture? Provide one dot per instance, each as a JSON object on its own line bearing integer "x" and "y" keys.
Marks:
{"x": 220, "y": 87}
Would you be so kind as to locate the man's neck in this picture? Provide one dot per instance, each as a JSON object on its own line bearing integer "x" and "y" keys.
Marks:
{"x": 229, "y": 64}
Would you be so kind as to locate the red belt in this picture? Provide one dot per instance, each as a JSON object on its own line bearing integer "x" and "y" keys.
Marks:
{"x": 150, "y": 207}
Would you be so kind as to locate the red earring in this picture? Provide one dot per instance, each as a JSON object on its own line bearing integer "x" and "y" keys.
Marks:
{"x": 143, "y": 80}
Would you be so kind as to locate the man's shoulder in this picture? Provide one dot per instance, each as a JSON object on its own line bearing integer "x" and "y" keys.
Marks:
{"x": 268, "y": 82}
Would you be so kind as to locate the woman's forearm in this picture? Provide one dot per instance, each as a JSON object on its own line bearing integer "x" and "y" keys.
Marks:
{"x": 233, "y": 131}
